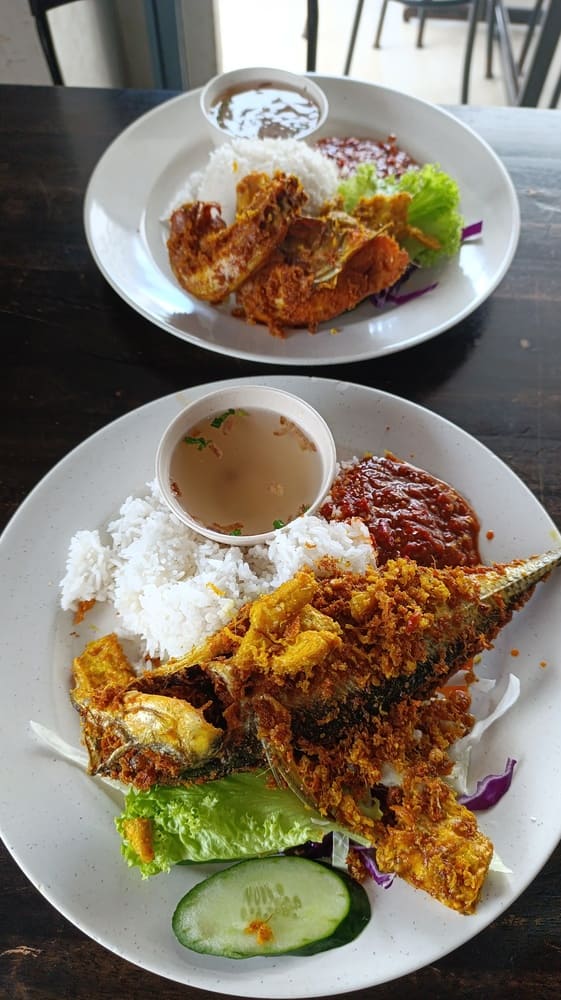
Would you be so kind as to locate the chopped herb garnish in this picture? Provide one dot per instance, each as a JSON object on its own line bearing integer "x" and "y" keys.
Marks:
{"x": 236, "y": 531}
{"x": 199, "y": 442}
{"x": 278, "y": 524}
{"x": 219, "y": 420}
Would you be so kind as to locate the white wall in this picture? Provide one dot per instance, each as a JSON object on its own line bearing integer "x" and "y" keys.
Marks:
{"x": 99, "y": 43}
{"x": 21, "y": 57}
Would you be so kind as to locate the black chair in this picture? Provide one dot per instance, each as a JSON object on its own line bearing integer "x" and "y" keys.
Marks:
{"x": 423, "y": 8}
{"x": 39, "y": 10}
{"x": 501, "y": 17}
{"x": 533, "y": 23}
{"x": 420, "y": 7}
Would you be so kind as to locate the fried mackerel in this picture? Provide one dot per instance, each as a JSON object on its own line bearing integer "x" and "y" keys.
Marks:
{"x": 330, "y": 682}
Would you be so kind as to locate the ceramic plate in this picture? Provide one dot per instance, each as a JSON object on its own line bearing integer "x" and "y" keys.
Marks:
{"x": 58, "y": 823}
{"x": 141, "y": 175}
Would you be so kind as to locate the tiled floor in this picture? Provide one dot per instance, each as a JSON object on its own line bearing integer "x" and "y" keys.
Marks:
{"x": 269, "y": 33}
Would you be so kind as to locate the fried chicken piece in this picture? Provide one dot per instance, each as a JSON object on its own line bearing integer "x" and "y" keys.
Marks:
{"x": 211, "y": 259}
{"x": 324, "y": 267}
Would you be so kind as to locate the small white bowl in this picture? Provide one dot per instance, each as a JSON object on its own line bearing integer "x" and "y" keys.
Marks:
{"x": 258, "y": 78}
{"x": 199, "y": 467}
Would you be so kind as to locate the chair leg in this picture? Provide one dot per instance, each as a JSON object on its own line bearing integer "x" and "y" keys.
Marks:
{"x": 532, "y": 25}
{"x": 475, "y": 9}
{"x": 556, "y": 94}
{"x": 421, "y": 29}
{"x": 490, "y": 39}
{"x": 381, "y": 20}
{"x": 312, "y": 35}
{"x": 45, "y": 38}
{"x": 354, "y": 32}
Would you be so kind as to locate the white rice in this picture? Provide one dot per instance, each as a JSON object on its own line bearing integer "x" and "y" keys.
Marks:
{"x": 171, "y": 590}
{"x": 231, "y": 161}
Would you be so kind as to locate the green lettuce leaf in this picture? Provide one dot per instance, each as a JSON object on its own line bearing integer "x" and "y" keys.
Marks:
{"x": 240, "y": 816}
{"x": 363, "y": 183}
{"x": 434, "y": 208}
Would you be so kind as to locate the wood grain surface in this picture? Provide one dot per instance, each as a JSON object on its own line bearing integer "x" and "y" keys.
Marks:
{"x": 75, "y": 357}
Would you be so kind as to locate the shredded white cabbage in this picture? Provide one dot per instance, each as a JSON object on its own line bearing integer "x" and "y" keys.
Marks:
{"x": 460, "y": 752}
{"x": 76, "y": 755}
{"x": 340, "y": 850}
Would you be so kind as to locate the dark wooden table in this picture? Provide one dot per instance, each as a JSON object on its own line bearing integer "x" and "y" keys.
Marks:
{"x": 74, "y": 357}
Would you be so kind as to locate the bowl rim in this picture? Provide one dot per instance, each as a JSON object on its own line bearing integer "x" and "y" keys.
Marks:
{"x": 300, "y": 81}
{"x": 280, "y": 401}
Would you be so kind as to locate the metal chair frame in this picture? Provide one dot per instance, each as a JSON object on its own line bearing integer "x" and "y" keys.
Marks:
{"x": 420, "y": 7}
{"x": 500, "y": 20}
{"x": 476, "y": 10}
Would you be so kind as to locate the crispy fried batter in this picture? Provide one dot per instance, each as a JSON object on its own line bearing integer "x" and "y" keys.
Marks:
{"x": 390, "y": 212}
{"x": 82, "y": 610}
{"x": 102, "y": 664}
{"x": 138, "y": 833}
{"x": 435, "y": 844}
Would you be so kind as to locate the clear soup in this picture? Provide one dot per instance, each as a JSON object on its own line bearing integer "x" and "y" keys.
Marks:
{"x": 245, "y": 471}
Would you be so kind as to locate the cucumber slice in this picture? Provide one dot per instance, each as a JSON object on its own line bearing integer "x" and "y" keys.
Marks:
{"x": 272, "y": 906}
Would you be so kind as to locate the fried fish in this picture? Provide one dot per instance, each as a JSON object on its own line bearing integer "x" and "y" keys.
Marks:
{"x": 329, "y": 682}
{"x": 325, "y": 656}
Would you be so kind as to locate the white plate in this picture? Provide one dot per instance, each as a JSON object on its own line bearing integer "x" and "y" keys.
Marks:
{"x": 58, "y": 823}
{"x": 142, "y": 173}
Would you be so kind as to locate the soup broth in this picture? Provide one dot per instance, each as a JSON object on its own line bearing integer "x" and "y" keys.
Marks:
{"x": 265, "y": 111}
{"x": 245, "y": 472}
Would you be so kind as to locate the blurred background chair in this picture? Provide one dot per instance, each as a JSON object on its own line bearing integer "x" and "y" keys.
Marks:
{"x": 525, "y": 86}
{"x": 423, "y": 8}
{"x": 133, "y": 43}
{"x": 39, "y": 10}
{"x": 533, "y": 23}
{"x": 474, "y": 8}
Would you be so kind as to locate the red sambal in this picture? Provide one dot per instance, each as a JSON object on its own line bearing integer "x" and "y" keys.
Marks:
{"x": 407, "y": 511}
{"x": 349, "y": 151}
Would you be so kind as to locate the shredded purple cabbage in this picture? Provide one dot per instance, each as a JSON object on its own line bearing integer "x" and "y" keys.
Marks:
{"x": 490, "y": 789}
{"x": 392, "y": 294}
{"x": 368, "y": 857}
{"x": 387, "y": 294}
{"x": 473, "y": 230}
{"x": 313, "y": 848}
{"x": 400, "y": 300}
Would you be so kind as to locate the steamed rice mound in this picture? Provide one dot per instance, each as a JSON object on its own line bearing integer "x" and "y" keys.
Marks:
{"x": 228, "y": 163}
{"x": 171, "y": 589}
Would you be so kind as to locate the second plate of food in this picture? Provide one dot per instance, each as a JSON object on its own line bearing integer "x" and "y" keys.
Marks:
{"x": 127, "y": 213}
{"x": 59, "y": 823}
